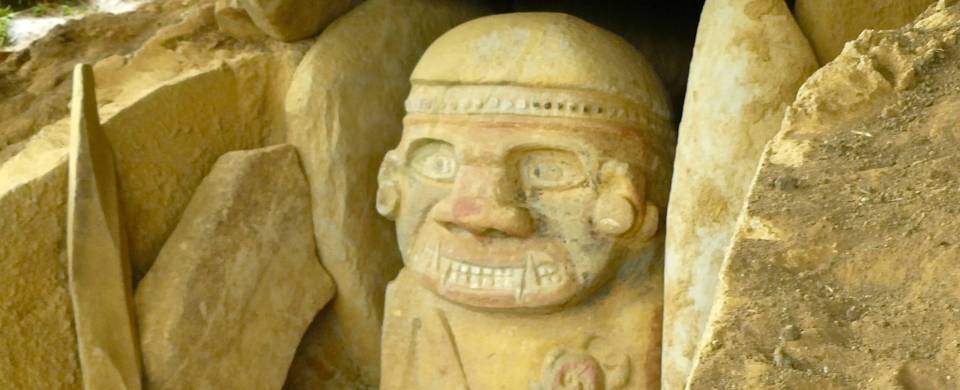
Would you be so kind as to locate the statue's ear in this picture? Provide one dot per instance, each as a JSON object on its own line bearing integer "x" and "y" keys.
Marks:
{"x": 621, "y": 208}
{"x": 388, "y": 189}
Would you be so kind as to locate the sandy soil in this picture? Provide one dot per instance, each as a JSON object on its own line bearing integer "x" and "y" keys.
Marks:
{"x": 843, "y": 273}
{"x": 35, "y": 82}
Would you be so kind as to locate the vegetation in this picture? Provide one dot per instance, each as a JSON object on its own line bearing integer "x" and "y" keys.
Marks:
{"x": 6, "y": 13}
{"x": 43, "y": 9}
{"x": 62, "y": 8}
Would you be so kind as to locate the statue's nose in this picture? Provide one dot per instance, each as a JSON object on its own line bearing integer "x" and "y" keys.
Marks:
{"x": 481, "y": 203}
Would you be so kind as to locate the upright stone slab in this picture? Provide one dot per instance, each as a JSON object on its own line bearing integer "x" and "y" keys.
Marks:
{"x": 237, "y": 283}
{"x": 98, "y": 266}
{"x": 829, "y": 24}
{"x": 750, "y": 59}
{"x": 843, "y": 271}
{"x": 344, "y": 111}
{"x": 291, "y": 20}
{"x": 38, "y": 345}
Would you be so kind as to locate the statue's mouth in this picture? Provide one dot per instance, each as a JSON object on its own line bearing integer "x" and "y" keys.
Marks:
{"x": 531, "y": 278}
{"x": 539, "y": 271}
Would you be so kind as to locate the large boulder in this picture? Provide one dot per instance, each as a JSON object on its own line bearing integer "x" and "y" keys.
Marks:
{"x": 829, "y": 24}
{"x": 290, "y": 20}
{"x": 237, "y": 282}
{"x": 232, "y": 19}
{"x": 843, "y": 270}
{"x": 749, "y": 61}
{"x": 343, "y": 112}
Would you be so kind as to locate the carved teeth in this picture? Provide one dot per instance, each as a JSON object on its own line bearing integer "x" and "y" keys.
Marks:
{"x": 520, "y": 280}
{"x": 530, "y": 279}
{"x": 447, "y": 273}
{"x": 546, "y": 269}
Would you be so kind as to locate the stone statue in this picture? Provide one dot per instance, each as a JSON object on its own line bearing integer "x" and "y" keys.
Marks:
{"x": 527, "y": 191}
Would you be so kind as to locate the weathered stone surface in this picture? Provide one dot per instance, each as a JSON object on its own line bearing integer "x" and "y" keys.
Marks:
{"x": 290, "y": 20}
{"x": 98, "y": 266}
{"x": 171, "y": 73}
{"x": 749, "y": 61}
{"x": 842, "y": 273}
{"x": 238, "y": 281}
{"x": 38, "y": 348}
{"x": 663, "y": 31}
{"x": 234, "y": 20}
{"x": 431, "y": 343}
{"x": 344, "y": 111}
{"x": 161, "y": 161}
{"x": 209, "y": 102}
{"x": 527, "y": 189}
{"x": 36, "y": 81}
{"x": 829, "y": 24}
{"x": 192, "y": 106}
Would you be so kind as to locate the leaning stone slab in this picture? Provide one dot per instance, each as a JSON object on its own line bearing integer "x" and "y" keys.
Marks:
{"x": 237, "y": 283}
{"x": 167, "y": 140}
{"x": 749, "y": 61}
{"x": 829, "y": 24}
{"x": 98, "y": 266}
{"x": 343, "y": 112}
{"x": 843, "y": 270}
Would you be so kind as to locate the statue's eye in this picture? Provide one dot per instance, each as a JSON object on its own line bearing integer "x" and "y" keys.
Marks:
{"x": 551, "y": 169}
{"x": 435, "y": 160}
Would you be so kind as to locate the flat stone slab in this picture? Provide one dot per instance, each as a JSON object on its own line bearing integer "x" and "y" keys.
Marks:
{"x": 234, "y": 288}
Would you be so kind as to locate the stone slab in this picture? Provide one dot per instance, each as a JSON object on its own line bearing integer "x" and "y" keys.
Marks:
{"x": 237, "y": 283}
{"x": 749, "y": 61}
{"x": 98, "y": 265}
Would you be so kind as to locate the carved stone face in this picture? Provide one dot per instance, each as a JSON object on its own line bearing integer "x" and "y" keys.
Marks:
{"x": 513, "y": 212}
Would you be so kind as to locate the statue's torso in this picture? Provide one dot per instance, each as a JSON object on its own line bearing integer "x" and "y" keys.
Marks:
{"x": 430, "y": 343}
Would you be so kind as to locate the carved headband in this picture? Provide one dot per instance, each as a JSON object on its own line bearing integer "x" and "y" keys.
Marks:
{"x": 545, "y": 102}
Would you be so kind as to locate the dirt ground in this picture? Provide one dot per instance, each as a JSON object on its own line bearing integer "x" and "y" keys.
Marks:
{"x": 35, "y": 82}
{"x": 843, "y": 273}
